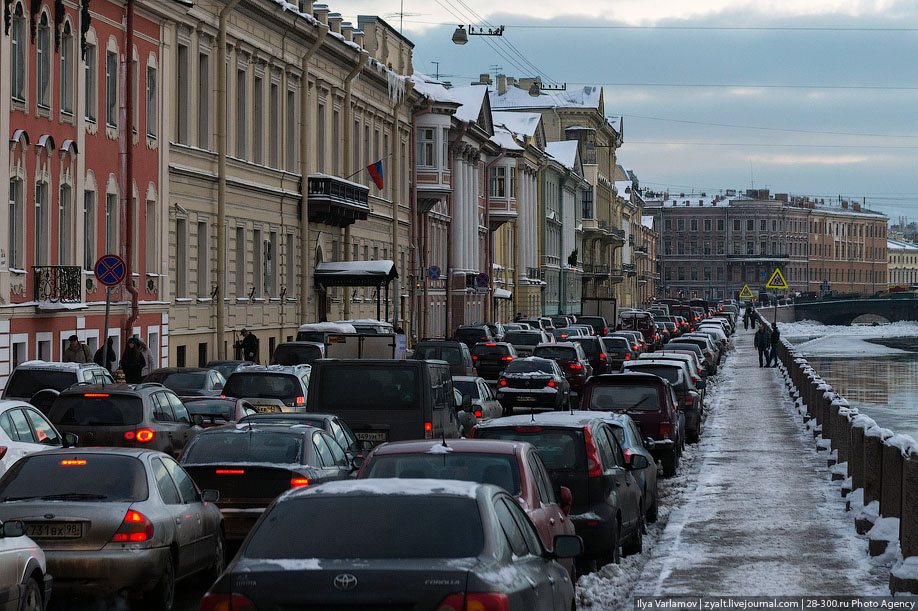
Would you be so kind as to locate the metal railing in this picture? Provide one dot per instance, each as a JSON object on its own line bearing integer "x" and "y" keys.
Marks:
{"x": 57, "y": 283}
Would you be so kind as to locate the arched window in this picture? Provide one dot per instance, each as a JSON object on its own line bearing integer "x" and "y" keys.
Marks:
{"x": 16, "y": 237}
{"x": 67, "y": 76}
{"x": 41, "y": 223}
{"x": 43, "y": 62}
{"x": 65, "y": 226}
{"x": 18, "y": 49}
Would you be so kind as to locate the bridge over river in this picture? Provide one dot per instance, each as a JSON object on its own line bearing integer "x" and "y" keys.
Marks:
{"x": 846, "y": 311}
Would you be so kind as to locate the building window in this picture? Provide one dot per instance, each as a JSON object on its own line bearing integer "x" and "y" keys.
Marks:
{"x": 320, "y": 137}
{"x": 291, "y": 263}
{"x": 151, "y": 101}
{"x": 242, "y": 119}
{"x": 258, "y": 120}
{"x": 750, "y": 225}
{"x": 204, "y": 101}
{"x": 64, "y": 226}
{"x": 67, "y": 70}
{"x": 707, "y": 247}
{"x": 774, "y": 224}
{"x": 680, "y": 225}
{"x": 271, "y": 264}
{"x": 680, "y": 248}
{"x": 257, "y": 263}
{"x": 426, "y": 147}
{"x": 694, "y": 225}
{"x": 668, "y": 225}
{"x": 707, "y": 273}
{"x": 720, "y": 224}
{"x": 292, "y": 128}
{"x": 336, "y": 143}
{"x": 182, "y": 93}
{"x": 18, "y": 61}
{"x": 750, "y": 248}
{"x": 151, "y": 254}
{"x": 89, "y": 73}
{"x": 587, "y": 204}
{"x": 15, "y": 221}
{"x": 667, "y": 247}
{"x": 202, "y": 263}
{"x": 41, "y": 223}
{"x": 89, "y": 230}
{"x": 720, "y": 248}
{"x": 240, "y": 261}
{"x": 43, "y": 63}
{"x": 111, "y": 89}
{"x": 274, "y": 125}
{"x": 681, "y": 273}
{"x": 707, "y": 224}
{"x": 694, "y": 273}
{"x": 181, "y": 258}
{"x": 111, "y": 223}
{"x": 498, "y": 181}
{"x": 764, "y": 248}
{"x": 763, "y": 226}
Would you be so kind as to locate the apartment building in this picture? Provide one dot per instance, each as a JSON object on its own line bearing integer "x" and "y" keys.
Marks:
{"x": 903, "y": 263}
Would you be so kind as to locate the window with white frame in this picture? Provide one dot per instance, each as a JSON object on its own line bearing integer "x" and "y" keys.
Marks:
{"x": 242, "y": 119}
{"x": 204, "y": 101}
{"x": 499, "y": 181}
{"x": 16, "y": 237}
{"x": 89, "y": 229}
{"x": 291, "y": 127}
{"x": 43, "y": 63}
{"x": 111, "y": 89}
{"x": 181, "y": 258}
{"x": 67, "y": 70}
{"x": 89, "y": 75}
{"x": 151, "y": 101}
{"x": 182, "y": 93}
{"x": 203, "y": 260}
{"x": 151, "y": 254}
{"x": 258, "y": 120}
{"x": 41, "y": 223}
{"x": 240, "y": 261}
{"x": 426, "y": 147}
{"x": 64, "y": 225}
{"x": 111, "y": 222}
{"x": 18, "y": 54}
{"x": 444, "y": 147}
{"x": 320, "y": 137}
{"x": 274, "y": 125}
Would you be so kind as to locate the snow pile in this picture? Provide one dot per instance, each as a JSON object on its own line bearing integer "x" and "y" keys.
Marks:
{"x": 869, "y": 512}
{"x": 906, "y": 443}
{"x": 906, "y": 569}
{"x": 840, "y": 340}
{"x": 440, "y": 448}
{"x": 885, "y": 529}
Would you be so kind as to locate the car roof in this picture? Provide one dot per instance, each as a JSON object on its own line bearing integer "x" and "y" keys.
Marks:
{"x": 270, "y": 369}
{"x": 574, "y": 419}
{"x": 214, "y": 363}
{"x": 179, "y": 370}
{"x": 260, "y": 427}
{"x": 557, "y": 345}
{"x": 393, "y": 486}
{"x": 265, "y": 418}
{"x": 639, "y": 378}
{"x": 51, "y": 365}
{"x": 6, "y": 404}
{"x": 81, "y": 389}
{"x": 300, "y": 343}
{"x": 435, "y": 446}
{"x": 134, "y": 452}
{"x": 468, "y": 378}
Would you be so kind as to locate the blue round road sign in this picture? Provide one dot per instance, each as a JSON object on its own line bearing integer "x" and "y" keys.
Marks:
{"x": 110, "y": 269}
{"x": 433, "y": 272}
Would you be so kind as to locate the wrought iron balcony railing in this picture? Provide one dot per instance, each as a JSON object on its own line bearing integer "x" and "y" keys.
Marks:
{"x": 57, "y": 283}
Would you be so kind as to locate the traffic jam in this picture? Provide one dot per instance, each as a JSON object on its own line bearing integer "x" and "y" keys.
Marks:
{"x": 485, "y": 471}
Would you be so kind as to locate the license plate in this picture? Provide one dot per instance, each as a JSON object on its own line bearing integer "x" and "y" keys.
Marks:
{"x": 525, "y": 398}
{"x": 266, "y": 409}
{"x": 55, "y": 530}
{"x": 372, "y": 436}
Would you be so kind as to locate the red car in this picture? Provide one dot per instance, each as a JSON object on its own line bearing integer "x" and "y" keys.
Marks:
{"x": 515, "y": 466}
{"x": 218, "y": 410}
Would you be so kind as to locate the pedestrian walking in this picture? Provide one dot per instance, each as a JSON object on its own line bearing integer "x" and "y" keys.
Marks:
{"x": 249, "y": 345}
{"x": 109, "y": 355}
{"x": 750, "y": 314}
{"x": 774, "y": 339}
{"x": 77, "y": 352}
{"x": 132, "y": 362}
{"x": 149, "y": 363}
{"x": 760, "y": 341}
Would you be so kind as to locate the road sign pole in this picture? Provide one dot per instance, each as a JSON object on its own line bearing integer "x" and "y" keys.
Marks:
{"x": 108, "y": 306}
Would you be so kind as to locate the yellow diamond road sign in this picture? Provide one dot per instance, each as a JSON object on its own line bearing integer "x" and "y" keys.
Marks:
{"x": 746, "y": 292}
{"x": 777, "y": 280}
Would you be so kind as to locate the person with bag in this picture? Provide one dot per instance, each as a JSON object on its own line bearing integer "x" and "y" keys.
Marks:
{"x": 132, "y": 363}
{"x": 77, "y": 352}
{"x": 106, "y": 358}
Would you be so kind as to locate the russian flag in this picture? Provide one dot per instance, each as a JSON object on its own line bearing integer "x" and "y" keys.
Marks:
{"x": 375, "y": 170}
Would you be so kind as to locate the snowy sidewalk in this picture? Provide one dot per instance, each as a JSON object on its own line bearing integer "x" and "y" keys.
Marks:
{"x": 758, "y": 516}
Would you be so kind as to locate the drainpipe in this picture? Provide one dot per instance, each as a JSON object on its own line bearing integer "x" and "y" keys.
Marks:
{"x": 348, "y": 84}
{"x": 304, "y": 172}
{"x": 221, "y": 176}
{"x": 452, "y": 203}
{"x": 489, "y": 246}
{"x": 127, "y": 138}
{"x": 415, "y": 221}
{"x": 516, "y": 247}
{"x": 396, "y": 176}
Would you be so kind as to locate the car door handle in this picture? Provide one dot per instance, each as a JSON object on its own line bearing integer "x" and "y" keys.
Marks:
{"x": 551, "y": 521}
{"x": 532, "y": 583}
{"x": 551, "y": 580}
{"x": 178, "y": 521}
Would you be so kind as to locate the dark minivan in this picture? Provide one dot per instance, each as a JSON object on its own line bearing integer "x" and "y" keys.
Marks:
{"x": 386, "y": 400}
{"x": 454, "y": 352}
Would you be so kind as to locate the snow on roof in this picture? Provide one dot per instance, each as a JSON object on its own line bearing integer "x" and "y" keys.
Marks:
{"x": 892, "y": 244}
{"x": 505, "y": 140}
{"x": 579, "y": 128}
{"x": 36, "y": 364}
{"x": 356, "y": 268}
{"x": 328, "y": 327}
{"x": 564, "y": 417}
{"x": 524, "y": 123}
{"x": 514, "y": 97}
{"x": 647, "y": 221}
{"x": 432, "y": 88}
{"x": 471, "y": 97}
{"x": 409, "y": 487}
{"x": 564, "y": 153}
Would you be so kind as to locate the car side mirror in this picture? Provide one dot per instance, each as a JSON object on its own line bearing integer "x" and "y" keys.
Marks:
{"x": 467, "y": 402}
{"x": 218, "y": 386}
{"x": 197, "y": 420}
{"x": 567, "y": 500}
{"x": 701, "y": 385}
{"x": 71, "y": 440}
{"x": 210, "y": 495}
{"x": 13, "y": 528}
{"x": 357, "y": 462}
{"x": 638, "y": 462}
{"x": 649, "y": 443}
{"x": 567, "y": 546}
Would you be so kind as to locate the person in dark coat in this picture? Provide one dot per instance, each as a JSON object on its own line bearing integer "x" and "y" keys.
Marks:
{"x": 774, "y": 339}
{"x": 249, "y": 346}
{"x": 132, "y": 363}
{"x": 750, "y": 314}
{"x": 761, "y": 344}
{"x": 109, "y": 358}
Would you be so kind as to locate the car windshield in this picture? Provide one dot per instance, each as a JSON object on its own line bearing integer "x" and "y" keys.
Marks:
{"x": 564, "y": 332}
{"x": 498, "y": 469}
{"x": 560, "y": 449}
{"x": 76, "y": 476}
{"x": 261, "y": 384}
{"x": 241, "y": 446}
{"x": 381, "y": 387}
{"x": 212, "y": 407}
{"x": 428, "y": 527}
{"x": 296, "y": 355}
{"x": 191, "y": 379}
{"x": 27, "y": 382}
{"x": 523, "y": 338}
{"x": 466, "y": 387}
{"x": 556, "y": 352}
{"x": 528, "y": 367}
{"x": 96, "y": 409}
{"x": 624, "y": 398}
{"x": 670, "y": 374}
{"x": 490, "y": 350}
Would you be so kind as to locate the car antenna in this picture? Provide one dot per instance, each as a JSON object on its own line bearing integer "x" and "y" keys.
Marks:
{"x": 443, "y": 438}
{"x": 531, "y": 415}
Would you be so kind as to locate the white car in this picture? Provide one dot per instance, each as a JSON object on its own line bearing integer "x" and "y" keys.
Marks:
{"x": 24, "y": 430}
{"x": 23, "y": 572}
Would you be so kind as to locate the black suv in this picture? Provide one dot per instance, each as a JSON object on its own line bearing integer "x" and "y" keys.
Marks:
{"x": 472, "y": 334}
{"x": 582, "y": 453}
{"x": 272, "y": 388}
{"x": 147, "y": 415}
{"x": 454, "y": 352}
{"x": 491, "y": 358}
{"x": 39, "y": 382}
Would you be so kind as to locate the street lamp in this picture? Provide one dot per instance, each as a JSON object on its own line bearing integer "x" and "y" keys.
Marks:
{"x": 461, "y": 35}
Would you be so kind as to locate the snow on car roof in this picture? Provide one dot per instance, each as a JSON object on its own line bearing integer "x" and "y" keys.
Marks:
{"x": 408, "y": 487}
{"x": 54, "y": 365}
{"x": 566, "y": 417}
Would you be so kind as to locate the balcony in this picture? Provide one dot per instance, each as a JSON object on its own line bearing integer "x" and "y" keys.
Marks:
{"x": 337, "y": 202}
{"x": 591, "y": 269}
{"x": 615, "y": 237}
{"x": 617, "y": 275}
{"x": 57, "y": 283}
{"x": 630, "y": 269}
{"x": 640, "y": 251}
{"x": 500, "y": 211}
{"x": 534, "y": 275}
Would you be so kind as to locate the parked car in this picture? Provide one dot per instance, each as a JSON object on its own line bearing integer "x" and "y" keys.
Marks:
{"x": 251, "y": 469}
{"x": 113, "y": 520}
{"x": 689, "y": 358}
{"x": 465, "y": 412}
{"x": 216, "y": 411}
{"x": 514, "y": 466}
{"x": 581, "y": 453}
{"x": 298, "y": 353}
{"x": 39, "y": 382}
{"x": 687, "y": 393}
{"x": 472, "y": 334}
{"x": 28, "y": 585}
{"x": 369, "y": 326}
{"x": 225, "y": 368}
{"x": 524, "y": 342}
{"x": 708, "y": 350}
{"x": 148, "y": 416}
{"x": 570, "y": 358}
{"x": 448, "y": 553}
{"x": 629, "y": 437}
{"x": 483, "y": 398}
{"x": 593, "y": 348}
{"x": 271, "y": 388}
{"x": 491, "y": 358}
{"x": 24, "y": 430}
{"x": 564, "y": 334}
{"x": 393, "y": 401}
{"x": 619, "y": 351}
{"x": 454, "y": 352}
{"x": 533, "y": 382}
{"x": 331, "y": 424}
{"x": 560, "y": 321}
{"x": 598, "y": 323}
{"x": 650, "y": 401}
{"x": 188, "y": 381}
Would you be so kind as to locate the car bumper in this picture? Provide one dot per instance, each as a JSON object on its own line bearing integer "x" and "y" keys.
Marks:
{"x": 238, "y": 522}
{"x": 662, "y": 446}
{"x": 106, "y": 571}
{"x": 596, "y": 533}
{"x": 692, "y": 419}
{"x": 536, "y": 397}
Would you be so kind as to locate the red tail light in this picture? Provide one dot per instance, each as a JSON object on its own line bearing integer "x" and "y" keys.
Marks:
{"x": 135, "y": 527}
{"x": 664, "y": 429}
{"x": 601, "y": 355}
{"x": 503, "y": 382}
{"x": 689, "y": 400}
{"x": 592, "y": 453}
{"x": 477, "y": 413}
{"x": 299, "y": 482}
{"x": 301, "y": 400}
{"x": 576, "y": 366}
{"x": 73, "y": 462}
{"x": 528, "y": 429}
{"x": 506, "y": 358}
{"x": 551, "y": 384}
{"x": 230, "y": 471}
{"x": 627, "y": 357}
{"x": 95, "y": 395}
{"x": 226, "y": 602}
{"x": 474, "y": 358}
{"x": 637, "y": 346}
{"x": 143, "y": 435}
{"x": 3, "y": 450}
{"x": 474, "y": 601}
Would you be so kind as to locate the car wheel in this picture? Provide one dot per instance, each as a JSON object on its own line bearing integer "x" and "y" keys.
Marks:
{"x": 216, "y": 569}
{"x": 614, "y": 554}
{"x": 31, "y": 597}
{"x": 670, "y": 463}
{"x": 162, "y": 596}
{"x": 635, "y": 543}
{"x": 652, "y": 513}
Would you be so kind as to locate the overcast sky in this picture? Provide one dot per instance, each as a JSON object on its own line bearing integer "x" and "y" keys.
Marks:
{"x": 812, "y": 98}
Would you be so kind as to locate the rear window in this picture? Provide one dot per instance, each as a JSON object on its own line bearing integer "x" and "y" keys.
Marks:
{"x": 288, "y": 419}
{"x": 472, "y": 334}
{"x": 194, "y": 379}
{"x": 281, "y": 386}
{"x": 624, "y": 398}
{"x": 27, "y": 382}
{"x": 102, "y": 410}
{"x": 490, "y": 351}
{"x": 590, "y": 348}
{"x": 640, "y": 323}
{"x": 555, "y": 352}
{"x": 296, "y": 355}
{"x": 466, "y": 387}
{"x": 94, "y": 477}
{"x": 667, "y": 373}
{"x": 216, "y": 407}
{"x": 240, "y": 446}
{"x": 560, "y": 449}
{"x": 523, "y": 339}
{"x": 429, "y": 527}
{"x": 381, "y": 387}
{"x": 498, "y": 469}
{"x": 528, "y": 367}
{"x": 616, "y": 344}
{"x": 450, "y": 353}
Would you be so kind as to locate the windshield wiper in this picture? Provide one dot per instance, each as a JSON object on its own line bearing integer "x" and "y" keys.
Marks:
{"x": 18, "y": 498}
{"x": 74, "y": 496}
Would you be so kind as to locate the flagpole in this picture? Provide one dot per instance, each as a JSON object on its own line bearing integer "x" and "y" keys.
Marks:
{"x": 362, "y": 169}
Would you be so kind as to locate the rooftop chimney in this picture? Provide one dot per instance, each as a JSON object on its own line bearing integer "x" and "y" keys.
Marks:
{"x": 484, "y": 79}
{"x": 334, "y": 22}
{"x": 501, "y": 84}
{"x": 320, "y": 12}
{"x": 305, "y": 6}
{"x": 347, "y": 30}
{"x": 857, "y": 207}
{"x": 358, "y": 37}
{"x": 844, "y": 204}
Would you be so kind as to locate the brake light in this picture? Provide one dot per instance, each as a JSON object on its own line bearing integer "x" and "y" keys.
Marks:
{"x": 134, "y": 528}
{"x": 3, "y": 450}
{"x": 627, "y": 357}
{"x": 474, "y": 358}
{"x": 95, "y": 395}
{"x": 506, "y": 358}
{"x": 226, "y": 602}
{"x": 551, "y": 384}
{"x": 690, "y": 400}
{"x": 490, "y": 345}
{"x": 428, "y": 426}
{"x": 300, "y": 400}
{"x": 664, "y": 429}
{"x": 474, "y": 601}
{"x": 230, "y": 471}
{"x": 299, "y": 482}
{"x": 144, "y": 435}
{"x": 592, "y": 452}
{"x": 477, "y": 413}
{"x": 636, "y": 346}
{"x": 67, "y": 463}
{"x": 576, "y": 366}
{"x": 528, "y": 429}
{"x": 503, "y": 382}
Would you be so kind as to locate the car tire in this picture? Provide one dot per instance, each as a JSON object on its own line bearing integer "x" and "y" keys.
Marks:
{"x": 162, "y": 596}
{"x": 670, "y": 463}
{"x": 652, "y": 513}
{"x": 31, "y": 596}
{"x": 216, "y": 569}
{"x": 635, "y": 543}
{"x": 614, "y": 554}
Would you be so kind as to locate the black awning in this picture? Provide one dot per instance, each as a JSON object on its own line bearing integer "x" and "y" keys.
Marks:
{"x": 355, "y": 273}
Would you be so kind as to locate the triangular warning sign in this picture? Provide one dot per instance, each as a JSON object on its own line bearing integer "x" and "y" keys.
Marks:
{"x": 745, "y": 292}
{"x": 777, "y": 280}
